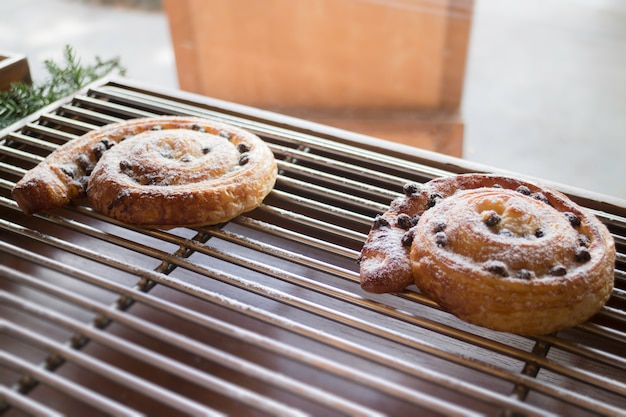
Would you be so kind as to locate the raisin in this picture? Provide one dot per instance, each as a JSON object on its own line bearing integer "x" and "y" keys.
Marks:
{"x": 415, "y": 219}
{"x": 69, "y": 170}
{"x": 243, "y": 159}
{"x": 156, "y": 127}
{"x": 522, "y": 189}
{"x": 572, "y": 218}
{"x": 582, "y": 255}
{"x": 492, "y": 218}
{"x": 206, "y": 149}
{"x": 407, "y": 238}
{"x": 99, "y": 149}
{"x": 539, "y": 232}
{"x": 84, "y": 182}
{"x": 404, "y": 221}
{"x": 525, "y": 274}
{"x": 224, "y": 134}
{"x": 540, "y": 197}
{"x": 243, "y": 147}
{"x": 584, "y": 240}
{"x": 410, "y": 188}
{"x": 439, "y": 227}
{"x": 84, "y": 163}
{"x": 185, "y": 158}
{"x": 380, "y": 221}
{"x": 108, "y": 143}
{"x": 497, "y": 267}
{"x": 497, "y": 186}
{"x": 441, "y": 239}
{"x": 558, "y": 271}
{"x": 197, "y": 128}
{"x": 125, "y": 165}
{"x": 433, "y": 199}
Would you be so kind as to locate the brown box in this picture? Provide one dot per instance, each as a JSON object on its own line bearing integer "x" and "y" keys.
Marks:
{"x": 13, "y": 68}
{"x": 376, "y": 67}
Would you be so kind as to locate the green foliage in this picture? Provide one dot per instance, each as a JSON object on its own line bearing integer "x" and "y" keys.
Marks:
{"x": 65, "y": 79}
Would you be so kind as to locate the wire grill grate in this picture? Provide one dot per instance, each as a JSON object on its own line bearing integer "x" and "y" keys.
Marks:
{"x": 263, "y": 315}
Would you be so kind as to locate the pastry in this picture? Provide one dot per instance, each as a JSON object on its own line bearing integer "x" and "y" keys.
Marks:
{"x": 157, "y": 172}
{"x": 495, "y": 251}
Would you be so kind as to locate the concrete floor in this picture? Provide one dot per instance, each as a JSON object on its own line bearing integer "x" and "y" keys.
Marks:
{"x": 545, "y": 91}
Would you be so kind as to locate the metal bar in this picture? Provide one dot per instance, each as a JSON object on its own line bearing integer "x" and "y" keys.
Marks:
{"x": 68, "y": 387}
{"x": 296, "y": 354}
{"x": 18, "y": 401}
{"x": 332, "y": 341}
{"x": 223, "y": 358}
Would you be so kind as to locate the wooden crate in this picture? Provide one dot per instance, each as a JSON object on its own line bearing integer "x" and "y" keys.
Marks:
{"x": 402, "y": 61}
{"x": 13, "y": 68}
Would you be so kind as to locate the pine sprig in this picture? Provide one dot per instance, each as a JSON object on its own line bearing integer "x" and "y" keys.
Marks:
{"x": 23, "y": 99}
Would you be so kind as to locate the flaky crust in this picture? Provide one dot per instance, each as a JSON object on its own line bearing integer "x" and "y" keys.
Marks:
{"x": 495, "y": 251}
{"x": 159, "y": 172}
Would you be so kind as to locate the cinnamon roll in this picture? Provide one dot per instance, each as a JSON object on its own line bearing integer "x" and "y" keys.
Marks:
{"x": 159, "y": 172}
{"x": 495, "y": 251}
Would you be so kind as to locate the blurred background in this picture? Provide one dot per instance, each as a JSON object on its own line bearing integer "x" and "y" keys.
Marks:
{"x": 536, "y": 87}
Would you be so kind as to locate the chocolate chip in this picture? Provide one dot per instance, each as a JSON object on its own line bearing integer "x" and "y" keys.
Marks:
{"x": 186, "y": 158}
{"x": 404, "y": 221}
{"x": 407, "y": 238}
{"x": 206, "y": 149}
{"x": 125, "y": 165}
{"x": 415, "y": 219}
{"x": 496, "y": 186}
{"x": 243, "y": 159}
{"x": 410, "y": 188}
{"x": 492, "y": 218}
{"x": 126, "y": 137}
{"x": 198, "y": 128}
{"x": 433, "y": 199}
{"x": 525, "y": 274}
{"x": 156, "y": 127}
{"x": 583, "y": 240}
{"x": 522, "y": 189}
{"x": 558, "y": 271}
{"x": 539, "y": 232}
{"x": 540, "y": 197}
{"x": 572, "y": 218}
{"x": 441, "y": 239}
{"x": 243, "y": 147}
{"x": 380, "y": 221}
{"x": 582, "y": 255}
{"x": 505, "y": 232}
{"x": 497, "y": 267}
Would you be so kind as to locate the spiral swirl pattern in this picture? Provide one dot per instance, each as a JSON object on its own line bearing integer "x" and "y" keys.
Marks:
{"x": 157, "y": 172}
{"x": 495, "y": 251}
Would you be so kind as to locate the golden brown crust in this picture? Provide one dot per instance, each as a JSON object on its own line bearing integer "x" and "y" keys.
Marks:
{"x": 498, "y": 252}
{"x": 156, "y": 172}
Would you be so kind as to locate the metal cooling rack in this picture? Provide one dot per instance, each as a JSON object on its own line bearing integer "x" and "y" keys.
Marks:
{"x": 263, "y": 315}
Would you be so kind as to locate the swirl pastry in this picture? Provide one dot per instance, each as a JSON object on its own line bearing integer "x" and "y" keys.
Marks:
{"x": 494, "y": 251}
{"x": 157, "y": 172}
